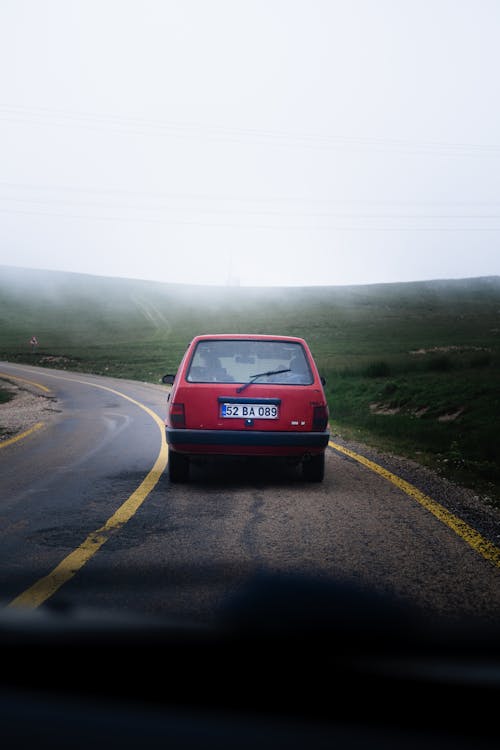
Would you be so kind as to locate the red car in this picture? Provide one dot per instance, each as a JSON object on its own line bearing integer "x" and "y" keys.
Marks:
{"x": 247, "y": 395}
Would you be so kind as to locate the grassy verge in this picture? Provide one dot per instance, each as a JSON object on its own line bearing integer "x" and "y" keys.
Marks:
{"x": 442, "y": 414}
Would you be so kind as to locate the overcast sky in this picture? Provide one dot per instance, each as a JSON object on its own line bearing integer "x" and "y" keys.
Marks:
{"x": 260, "y": 142}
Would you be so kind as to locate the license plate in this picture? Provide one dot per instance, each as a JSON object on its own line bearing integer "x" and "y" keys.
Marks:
{"x": 250, "y": 411}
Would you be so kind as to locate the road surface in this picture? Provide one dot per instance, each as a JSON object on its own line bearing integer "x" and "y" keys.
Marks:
{"x": 88, "y": 516}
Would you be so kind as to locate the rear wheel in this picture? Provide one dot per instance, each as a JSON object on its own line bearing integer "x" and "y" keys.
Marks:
{"x": 313, "y": 468}
{"x": 178, "y": 467}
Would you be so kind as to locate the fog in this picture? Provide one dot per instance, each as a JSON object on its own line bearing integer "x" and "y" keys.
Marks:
{"x": 260, "y": 144}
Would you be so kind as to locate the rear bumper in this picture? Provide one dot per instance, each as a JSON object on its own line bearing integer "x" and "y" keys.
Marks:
{"x": 246, "y": 441}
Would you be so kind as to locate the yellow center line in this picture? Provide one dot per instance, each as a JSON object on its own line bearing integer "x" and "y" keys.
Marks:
{"x": 478, "y": 543}
{"x": 8, "y": 376}
{"x": 44, "y": 588}
{"x": 9, "y": 441}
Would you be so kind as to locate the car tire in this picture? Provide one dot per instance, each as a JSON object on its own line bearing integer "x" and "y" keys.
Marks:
{"x": 178, "y": 467}
{"x": 313, "y": 468}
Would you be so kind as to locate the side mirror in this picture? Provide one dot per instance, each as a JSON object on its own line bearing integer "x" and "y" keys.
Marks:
{"x": 168, "y": 379}
{"x": 323, "y": 380}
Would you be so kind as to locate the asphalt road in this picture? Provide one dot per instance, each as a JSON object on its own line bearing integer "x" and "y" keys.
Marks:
{"x": 88, "y": 517}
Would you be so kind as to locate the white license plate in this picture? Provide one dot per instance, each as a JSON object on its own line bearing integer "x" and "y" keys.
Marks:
{"x": 250, "y": 411}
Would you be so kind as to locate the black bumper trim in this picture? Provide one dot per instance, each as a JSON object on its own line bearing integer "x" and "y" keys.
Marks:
{"x": 247, "y": 437}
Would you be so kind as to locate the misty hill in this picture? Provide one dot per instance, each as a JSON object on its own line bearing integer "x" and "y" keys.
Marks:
{"x": 88, "y": 317}
{"x": 396, "y": 357}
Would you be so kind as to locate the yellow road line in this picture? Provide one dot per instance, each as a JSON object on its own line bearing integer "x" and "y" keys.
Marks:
{"x": 478, "y": 543}
{"x": 8, "y": 376}
{"x": 40, "y": 591}
{"x": 9, "y": 441}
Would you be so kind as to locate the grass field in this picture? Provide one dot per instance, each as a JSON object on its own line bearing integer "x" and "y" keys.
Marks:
{"x": 413, "y": 368}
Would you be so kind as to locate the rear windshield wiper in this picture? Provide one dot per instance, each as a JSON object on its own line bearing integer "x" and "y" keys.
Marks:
{"x": 260, "y": 375}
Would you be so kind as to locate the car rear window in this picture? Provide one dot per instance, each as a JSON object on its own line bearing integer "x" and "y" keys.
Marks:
{"x": 237, "y": 361}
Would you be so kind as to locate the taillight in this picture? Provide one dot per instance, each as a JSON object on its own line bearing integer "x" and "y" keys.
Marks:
{"x": 177, "y": 416}
{"x": 320, "y": 417}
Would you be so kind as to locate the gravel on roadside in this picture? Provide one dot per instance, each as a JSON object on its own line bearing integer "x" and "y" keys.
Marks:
{"x": 25, "y": 409}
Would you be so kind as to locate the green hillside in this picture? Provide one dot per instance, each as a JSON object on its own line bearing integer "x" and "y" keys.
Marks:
{"x": 410, "y": 367}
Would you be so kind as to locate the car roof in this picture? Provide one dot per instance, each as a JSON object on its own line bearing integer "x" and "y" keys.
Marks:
{"x": 247, "y": 336}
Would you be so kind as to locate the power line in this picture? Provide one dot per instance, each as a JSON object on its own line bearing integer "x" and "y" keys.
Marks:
{"x": 203, "y": 131}
{"x": 288, "y": 227}
{"x": 118, "y": 193}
